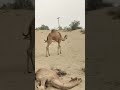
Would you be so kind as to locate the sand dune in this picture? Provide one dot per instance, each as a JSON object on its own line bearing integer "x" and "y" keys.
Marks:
{"x": 72, "y": 59}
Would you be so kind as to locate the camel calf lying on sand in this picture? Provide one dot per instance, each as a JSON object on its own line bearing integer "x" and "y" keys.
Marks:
{"x": 56, "y": 36}
{"x": 45, "y": 77}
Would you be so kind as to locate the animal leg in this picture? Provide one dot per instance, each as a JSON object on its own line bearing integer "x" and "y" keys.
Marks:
{"x": 59, "y": 49}
{"x": 47, "y": 49}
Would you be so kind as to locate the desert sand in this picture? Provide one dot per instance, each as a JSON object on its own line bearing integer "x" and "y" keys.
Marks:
{"x": 72, "y": 59}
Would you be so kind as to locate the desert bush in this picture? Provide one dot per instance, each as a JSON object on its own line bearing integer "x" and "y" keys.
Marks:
{"x": 67, "y": 28}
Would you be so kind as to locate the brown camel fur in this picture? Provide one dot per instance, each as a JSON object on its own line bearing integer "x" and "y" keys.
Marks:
{"x": 48, "y": 77}
{"x": 30, "y": 36}
{"x": 56, "y": 36}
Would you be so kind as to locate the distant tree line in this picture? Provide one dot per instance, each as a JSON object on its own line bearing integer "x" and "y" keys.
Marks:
{"x": 42, "y": 27}
{"x": 18, "y": 4}
{"x": 72, "y": 26}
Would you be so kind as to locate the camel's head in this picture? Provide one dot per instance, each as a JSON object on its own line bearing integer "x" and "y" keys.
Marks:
{"x": 65, "y": 37}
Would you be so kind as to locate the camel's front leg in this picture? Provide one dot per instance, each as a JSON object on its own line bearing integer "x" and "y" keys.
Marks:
{"x": 47, "y": 51}
{"x": 59, "y": 49}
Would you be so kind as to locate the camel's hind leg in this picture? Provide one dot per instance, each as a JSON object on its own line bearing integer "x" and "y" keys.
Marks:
{"x": 60, "y": 50}
{"x": 47, "y": 51}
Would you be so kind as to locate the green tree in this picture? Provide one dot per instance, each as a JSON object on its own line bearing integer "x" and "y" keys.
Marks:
{"x": 60, "y": 28}
{"x": 75, "y": 25}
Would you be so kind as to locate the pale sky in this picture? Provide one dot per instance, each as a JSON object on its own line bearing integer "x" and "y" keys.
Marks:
{"x": 47, "y": 11}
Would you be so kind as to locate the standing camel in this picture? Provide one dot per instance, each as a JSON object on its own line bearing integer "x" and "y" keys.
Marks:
{"x": 56, "y": 36}
{"x": 31, "y": 37}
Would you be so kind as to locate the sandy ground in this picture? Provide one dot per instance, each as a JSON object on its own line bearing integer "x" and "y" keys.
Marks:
{"x": 72, "y": 59}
